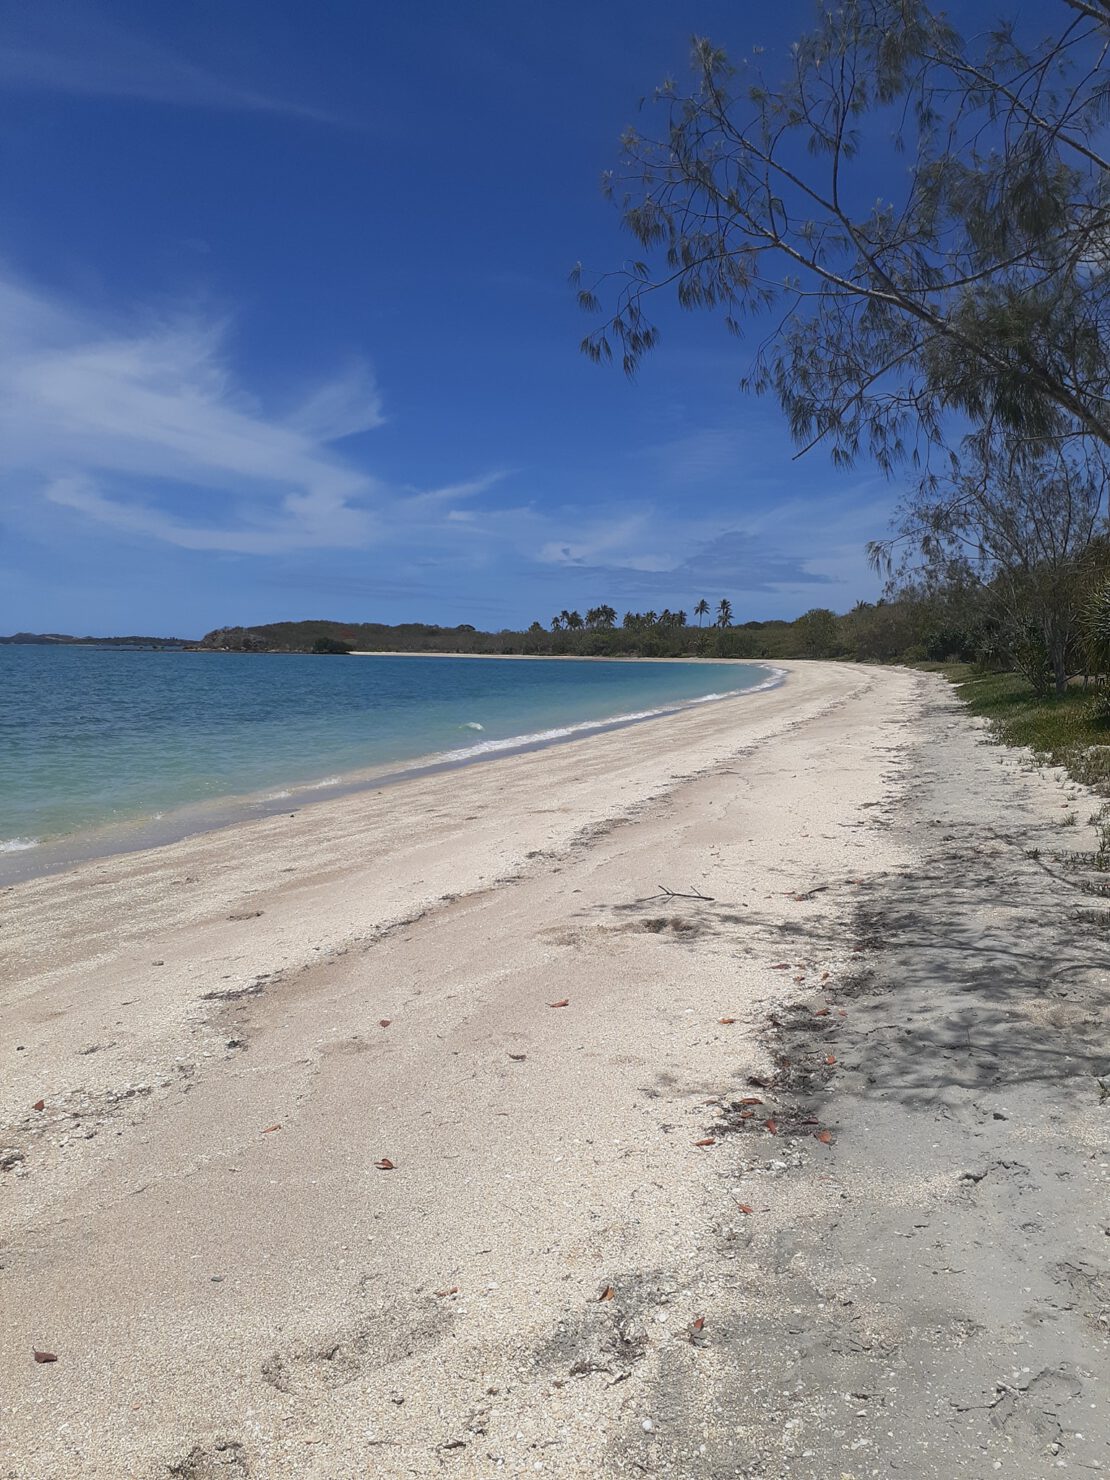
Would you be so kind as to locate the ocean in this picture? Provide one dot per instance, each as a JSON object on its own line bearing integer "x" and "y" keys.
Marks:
{"x": 133, "y": 747}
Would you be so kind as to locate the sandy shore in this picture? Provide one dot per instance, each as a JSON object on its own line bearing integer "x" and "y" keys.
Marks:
{"x": 354, "y": 1118}
{"x": 546, "y": 657}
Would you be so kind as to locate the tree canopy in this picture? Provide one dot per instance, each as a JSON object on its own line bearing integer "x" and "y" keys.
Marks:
{"x": 977, "y": 283}
{"x": 1026, "y": 533}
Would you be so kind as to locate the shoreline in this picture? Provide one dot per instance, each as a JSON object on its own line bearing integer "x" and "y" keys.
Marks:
{"x": 620, "y": 1112}
{"x": 558, "y": 657}
{"x": 21, "y": 861}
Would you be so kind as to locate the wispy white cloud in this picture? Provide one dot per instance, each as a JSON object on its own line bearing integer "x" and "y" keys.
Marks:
{"x": 700, "y": 456}
{"x": 431, "y": 502}
{"x": 700, "y": 556}
{"x": 625, "y": 548}
{"x": 343, "y": 407}
{"x": 595, "y": 541}
{"x": 797, "y": 550}
{"x": 76, "y": 49}
{"x": 145, "y": 429}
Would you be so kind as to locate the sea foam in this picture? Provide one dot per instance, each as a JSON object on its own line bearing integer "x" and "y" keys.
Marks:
{"x": 774, "y": 677}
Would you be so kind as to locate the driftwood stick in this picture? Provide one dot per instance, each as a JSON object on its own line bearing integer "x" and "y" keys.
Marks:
{"x": 675, "y": 894}
{"x": 808, "y": 893}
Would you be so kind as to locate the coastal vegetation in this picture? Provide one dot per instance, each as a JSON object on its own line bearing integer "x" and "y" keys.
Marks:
{"x": 1046, "y": 621}
{"x": 1072, "y": 731}
{"x": 1003, "y": 620}
{"x": 882, "y": 632}
{"x": 973, "y": 279}
{"x": 952, "y": 326}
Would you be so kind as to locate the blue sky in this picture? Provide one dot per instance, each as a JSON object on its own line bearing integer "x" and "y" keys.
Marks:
{"x": 285, "y": 328}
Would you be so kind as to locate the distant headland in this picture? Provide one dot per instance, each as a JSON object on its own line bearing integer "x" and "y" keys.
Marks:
{"x": 646, "y": 635}
{"x": 882, "y": 631}
{"x": 65, "y": 639}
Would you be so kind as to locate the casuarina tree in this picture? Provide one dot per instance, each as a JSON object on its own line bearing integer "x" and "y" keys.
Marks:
{"x": 914, "y": 222}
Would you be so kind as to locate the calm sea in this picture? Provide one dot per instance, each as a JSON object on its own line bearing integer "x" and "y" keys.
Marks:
{"x": 100, "y": 739}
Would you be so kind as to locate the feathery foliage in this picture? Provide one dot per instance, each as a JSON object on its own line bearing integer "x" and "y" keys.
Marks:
{"x": 980, "y": 284}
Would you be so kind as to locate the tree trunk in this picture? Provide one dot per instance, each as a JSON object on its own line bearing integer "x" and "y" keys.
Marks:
{"x": 1057, "y": 647}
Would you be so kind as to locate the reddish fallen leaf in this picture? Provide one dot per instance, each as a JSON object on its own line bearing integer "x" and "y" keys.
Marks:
{"x": 750, "y": 1100}
{"x": 825, "y": 1137}
{"x": 39, "y": 1105}
{"x": 830, "y": 1058}
{"x": 772, "y": 1126}
{"x": 745, "y": 1207}
{"x": 454, "y": 1290}
{"x": 781, "y": 966}
{"x": 564, "y": 1003}
{"x": 746, "y": 1114}
{"x": 519, "y": 1057}
{"x": 385, "y": 1165}
{"x": 697, "y": 1323}
{"x": 840, "y": 1012}
{"x": 708, "y": 1141}
{"x": 727, "y": 1022}
{"x": 44, "y": 1357}
{"x": 810, "y": 1120}
{"x": 268, "y": 1128}
{"x": 824, "y": 976}
{"x": 820, "y": 1012}
{"x": 608, "y": 1293}
{"x": 384, "y": 1022}
{"x": 800, "y": 977}
{"x": 759, "y": 1081}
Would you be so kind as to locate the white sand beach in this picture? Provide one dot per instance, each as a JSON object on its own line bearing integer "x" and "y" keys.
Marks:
{"x": 420, "y": 1132}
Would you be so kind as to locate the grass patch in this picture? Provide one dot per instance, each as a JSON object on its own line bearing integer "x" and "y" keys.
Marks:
{"x": 1065, "y": 731}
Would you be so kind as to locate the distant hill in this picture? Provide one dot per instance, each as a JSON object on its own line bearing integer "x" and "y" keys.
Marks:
{"x": 672, "y": 641}
{"x": 301, "y": 637}
{"x": 63, "y": 639}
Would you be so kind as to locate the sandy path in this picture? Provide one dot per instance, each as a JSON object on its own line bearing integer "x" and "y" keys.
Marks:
{"x": 229, "y": 1299}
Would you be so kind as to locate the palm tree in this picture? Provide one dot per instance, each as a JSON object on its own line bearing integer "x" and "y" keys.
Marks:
{"x": 724, "y": 612}
{"x": 556, "y": 624}
{"x": 701, "y": 610}
{"x": 574, "y": 620}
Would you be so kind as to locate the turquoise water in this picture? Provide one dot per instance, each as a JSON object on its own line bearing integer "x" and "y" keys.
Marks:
{"x": 93, "y": 737}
